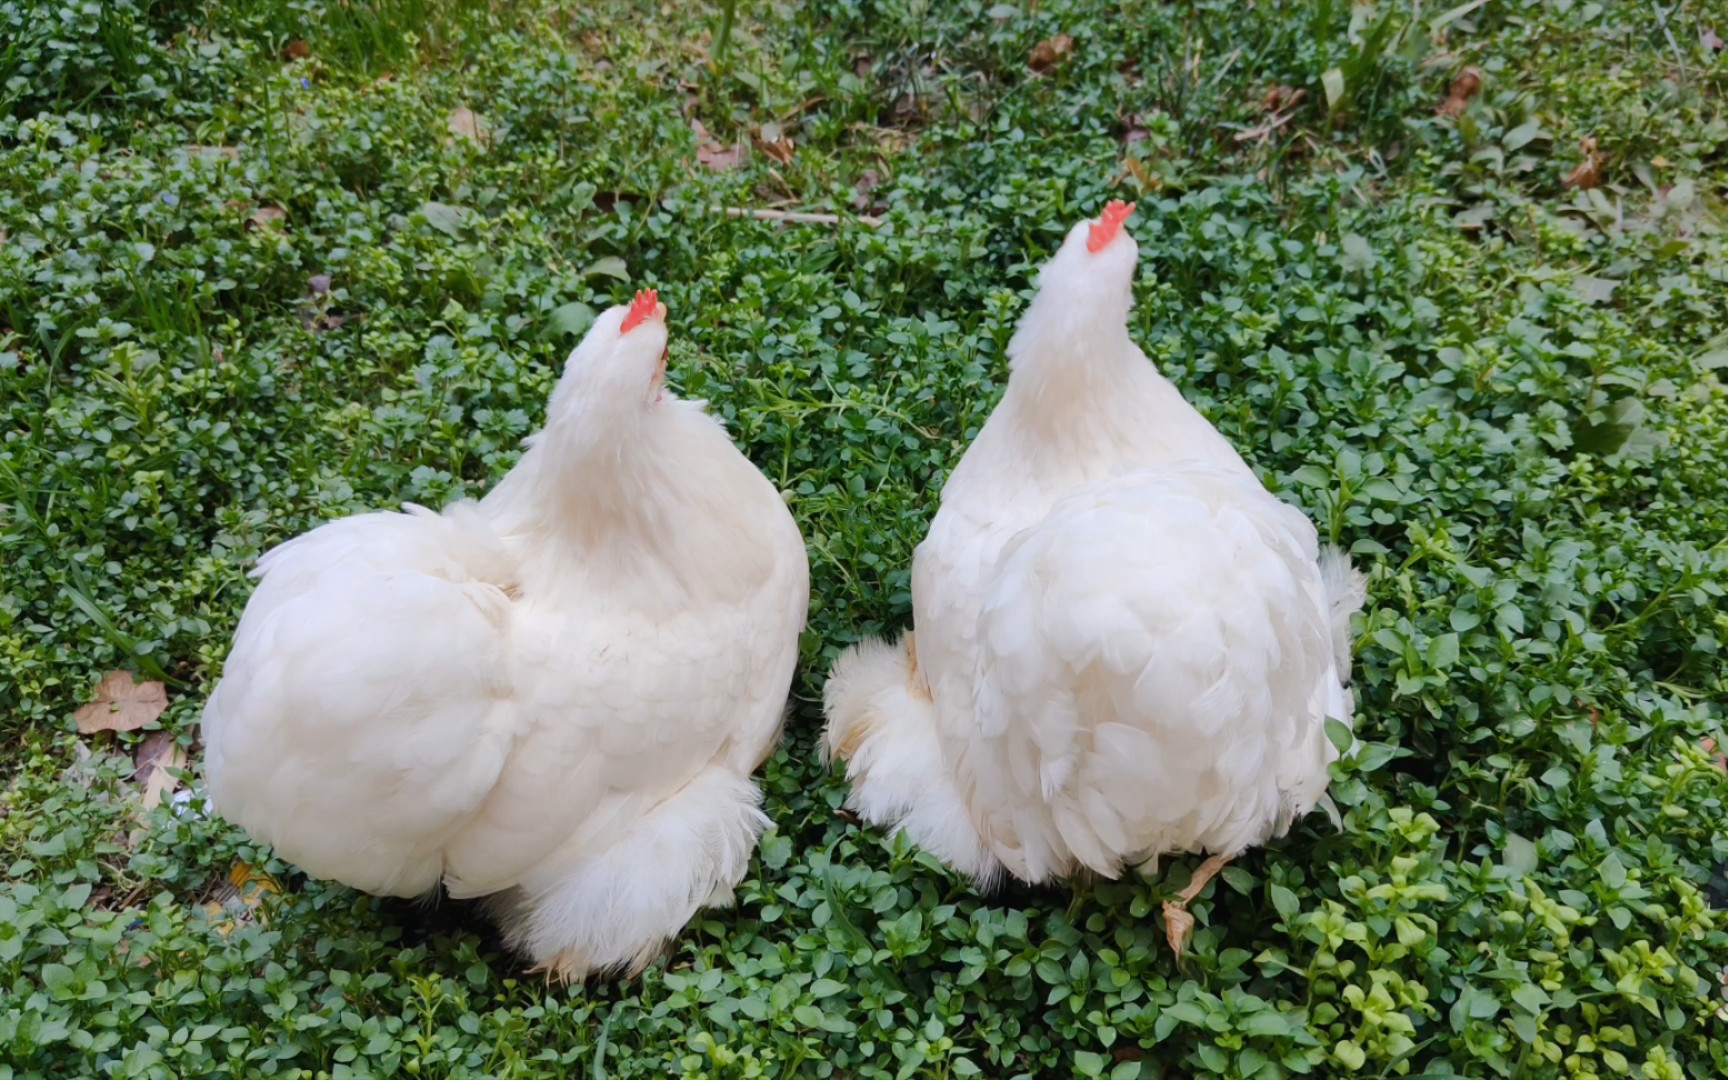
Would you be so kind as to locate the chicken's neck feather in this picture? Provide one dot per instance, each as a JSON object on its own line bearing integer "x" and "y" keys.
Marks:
{"x": 1081, "y": 391}
{"x": 1071, "y": 377}
{"x": 628, "y": 506}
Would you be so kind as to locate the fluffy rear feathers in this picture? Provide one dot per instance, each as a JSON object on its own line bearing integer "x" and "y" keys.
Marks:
{"x": 882, "y": 724}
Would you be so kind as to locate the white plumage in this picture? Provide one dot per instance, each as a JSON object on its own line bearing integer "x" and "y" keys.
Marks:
{"x": 1125, "y": 646}
{"x": 554, "y": 697}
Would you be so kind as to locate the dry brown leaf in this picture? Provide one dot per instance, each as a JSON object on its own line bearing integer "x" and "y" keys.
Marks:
{"x": 868, "y": 181}
{"x": 1587, "y": 173}
{"x": 771, "y": 140}
{"x": 720, "y": 158}
{"x": 235, "y": 901}
{"x": 464, "y": 123}
{"x": 712, "y": 153}
{"x": 1283, "y": 97}
{"x": 1464, "y": 87}
{"x": 156, "y": 755}
{"x": 121, "y": 704}
{"x": 1148, "y": 180}
{"x": 1050, "y": 52}
{"x": 232, "y": 153}
{"x": 296, "y": 50}
{"x": 265, "y": 215}
{"x": 1178, "y": 928}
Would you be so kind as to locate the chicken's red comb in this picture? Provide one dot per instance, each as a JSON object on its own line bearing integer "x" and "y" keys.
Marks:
{"x": 640, "y": 308}
{"x": 1109, "y": 223}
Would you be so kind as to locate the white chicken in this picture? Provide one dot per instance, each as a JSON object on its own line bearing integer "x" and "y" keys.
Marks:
{"x": 553, "y": 697}
{"x": 1125, "y": 646}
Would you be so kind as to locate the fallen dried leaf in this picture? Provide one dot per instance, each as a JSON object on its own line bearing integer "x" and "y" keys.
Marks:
{"x": 773, "y": 142}
{"x": 1178, "y": 928}
{"x": 1587, "y": 173}
{"x": 234, "y": 902}
{"x": 1464, "y": 87}
{"x": 720, "y": 158}
{"x": 464, "y": 123}
{"x": 232, "y": 153}
{"x": 1050, "y": 52}
{"x": 869, "y": 180}
{"x": 121, "y": 704}
{"x": 156, "y": 752}
{"x": 296, "y": 50}
{"x": 156, "y": 756}
{"x": 1264, "y": 131}
{"x": 1282, "y": 97}
{"x": 1147, "y": 180}
{"x": 1707, "y": 38}
{"x": 713, "y": 154}
{"x": 264, "y": 215}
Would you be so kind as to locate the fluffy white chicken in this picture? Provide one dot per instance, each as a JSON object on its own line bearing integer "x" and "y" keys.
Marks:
{"x": 1125, "y": 646}
{"x": 554, "y": 697}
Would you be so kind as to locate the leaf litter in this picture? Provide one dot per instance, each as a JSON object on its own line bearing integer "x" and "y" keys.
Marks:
{"x": 121, "y": 704}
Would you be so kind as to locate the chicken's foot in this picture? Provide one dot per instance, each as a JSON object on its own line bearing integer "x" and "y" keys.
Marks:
{"x": 1178, "y": 923}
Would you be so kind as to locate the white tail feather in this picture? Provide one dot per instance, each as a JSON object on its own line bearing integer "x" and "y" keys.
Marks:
{"x": 882, "y": 723}
{"x": 1346, "y": 589}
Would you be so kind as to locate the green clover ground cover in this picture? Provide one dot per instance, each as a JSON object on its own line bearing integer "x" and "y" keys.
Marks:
{"x": 1502, "y": 393}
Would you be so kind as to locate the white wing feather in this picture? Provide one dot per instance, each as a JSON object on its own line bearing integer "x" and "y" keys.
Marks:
{"x": 303, "y": 739}
{"x": 1153, "y": 673}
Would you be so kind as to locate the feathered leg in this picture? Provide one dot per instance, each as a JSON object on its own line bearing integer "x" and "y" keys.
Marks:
{"x": 615, "y": 909}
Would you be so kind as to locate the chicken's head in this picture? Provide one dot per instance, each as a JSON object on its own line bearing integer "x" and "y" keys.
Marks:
{"x": 621, "y": 363}
{"x": 1093, "y": 270}
{"x": 1085, "y": 290}
{"x": 1096, "y": 259}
